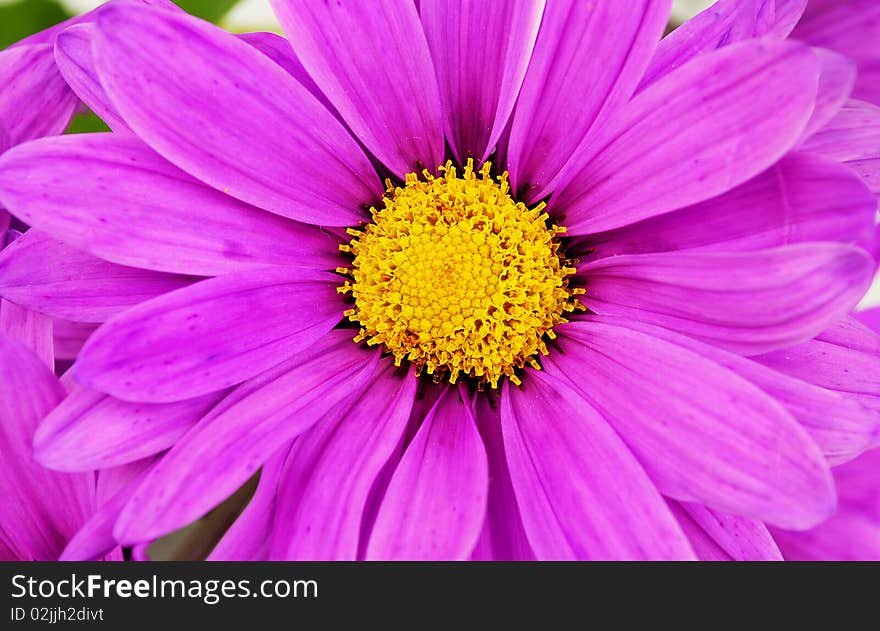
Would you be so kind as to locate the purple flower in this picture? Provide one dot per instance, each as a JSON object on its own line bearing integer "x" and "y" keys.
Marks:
{"x": 683, "y": 232}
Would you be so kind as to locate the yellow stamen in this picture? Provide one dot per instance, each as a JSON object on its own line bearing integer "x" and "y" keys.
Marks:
{"x": 458, "y": 278}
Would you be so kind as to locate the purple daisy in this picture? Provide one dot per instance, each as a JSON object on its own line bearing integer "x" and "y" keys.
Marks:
{"x": 532, "y": 342}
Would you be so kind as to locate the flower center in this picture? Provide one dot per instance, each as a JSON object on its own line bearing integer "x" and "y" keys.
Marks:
{"x": 458, "y": 278}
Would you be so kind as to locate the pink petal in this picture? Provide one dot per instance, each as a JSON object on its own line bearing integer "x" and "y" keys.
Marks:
{"x": 840, "y": 425}
{"x": 91, "y": 430}
{"x": 844, "y": 358}
{"x": 225, "y": 113}
{"x": 41, "y": 509}
{"x": 226, "y": 447}
{"x": 248, "y": 538}
{"x": 372, "y": 61}
{"x": 332, "y": 469}
{"x": 673, "y": 407}
{"x": 750, "y": 302}
{"x": 209, "y": 336}
{"x": 837, "y": 77}
{"x": 581, "y": 493}
{"x": 503, "y": 537}
{"x": 435, "y": 504}
{"x": 48, "y": 276}
{"x": 31, "y": 329}
{"x": 802, "y": 197}
{"x": 114, "y": 197}
{"x": 695, "y": 134}
{"x": 588, "y": 60}
{"x": 76, "y": 63}
{"x": 743, "y": 539}
{"x": 724, "y": 23}
{"x": 35, "y": 101}
{"x": 478, "y": 98}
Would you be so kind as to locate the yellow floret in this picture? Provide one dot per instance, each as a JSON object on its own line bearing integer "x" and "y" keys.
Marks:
{"x": 458, "y": 278}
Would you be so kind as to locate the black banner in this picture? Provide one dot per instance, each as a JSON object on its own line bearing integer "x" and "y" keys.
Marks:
{"x": 118, "y": 595}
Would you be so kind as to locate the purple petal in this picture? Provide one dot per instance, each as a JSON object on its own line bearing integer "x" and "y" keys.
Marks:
{"x": 588, "y": 59}
{"x": 749, "y": 302}
{"x": 845, "y": 358}
{"x": 149, "y": 213}
{"x": 69, "y": 337}
{"x": 697, "y": 133}
{"x": 852, "y": 137}
{"x": 31, "y": 329}
{"x": 853, "y": 134}
{"x": 95, "y": 539}
{"x": 479, "y": 97}
{"x": 837, "y": 77}
{"x": 850, "y": 26}
{"x": 35, "y": 101}
{"x": 373, "y": 63}
{"x": 868, "y": 84}
{"x": 90, "y": 430}
{"x": 40, "y": 509}
{"x": 279, "y": 50}
{"x": 76, "y": 63}
{"x": 227, "y": 446}
{"x": 581, "y": 493}
{"x": 870, "y": 318}
{"x": 48, "y": 276}
{"x": 724, "y": 23}
{"x": 672, "y": 407}
{"x": 112, "y": 480}
{"x": 211, "y": 335}
{"x": 845, "y": 537}
{"x": 503, "y": 537}
{"x": 248, "y": 538}
{"x": 841, "y": 426}
{"x": 225, "y": 113}
{"x": 743, "y": 539}
{"x": 705, "y": 547}
{"x": 332, "y": 469}
{"x": 788, "y": 13}
{"x": 852, "y": 533}
{"x": 803, "y": 197}
{"x": 435, "y": 504}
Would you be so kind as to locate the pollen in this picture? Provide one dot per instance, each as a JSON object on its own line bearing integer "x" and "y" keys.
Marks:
{"x": 456, "y": 277}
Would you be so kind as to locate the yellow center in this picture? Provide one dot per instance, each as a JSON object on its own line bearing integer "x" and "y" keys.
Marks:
{"x": 458, "y": 278}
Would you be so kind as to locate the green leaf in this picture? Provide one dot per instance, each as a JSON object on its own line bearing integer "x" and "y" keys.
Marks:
{"x": 26, "y": 17}
{"x": 86, "y": 123}
{"x": 211, "y": 10}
